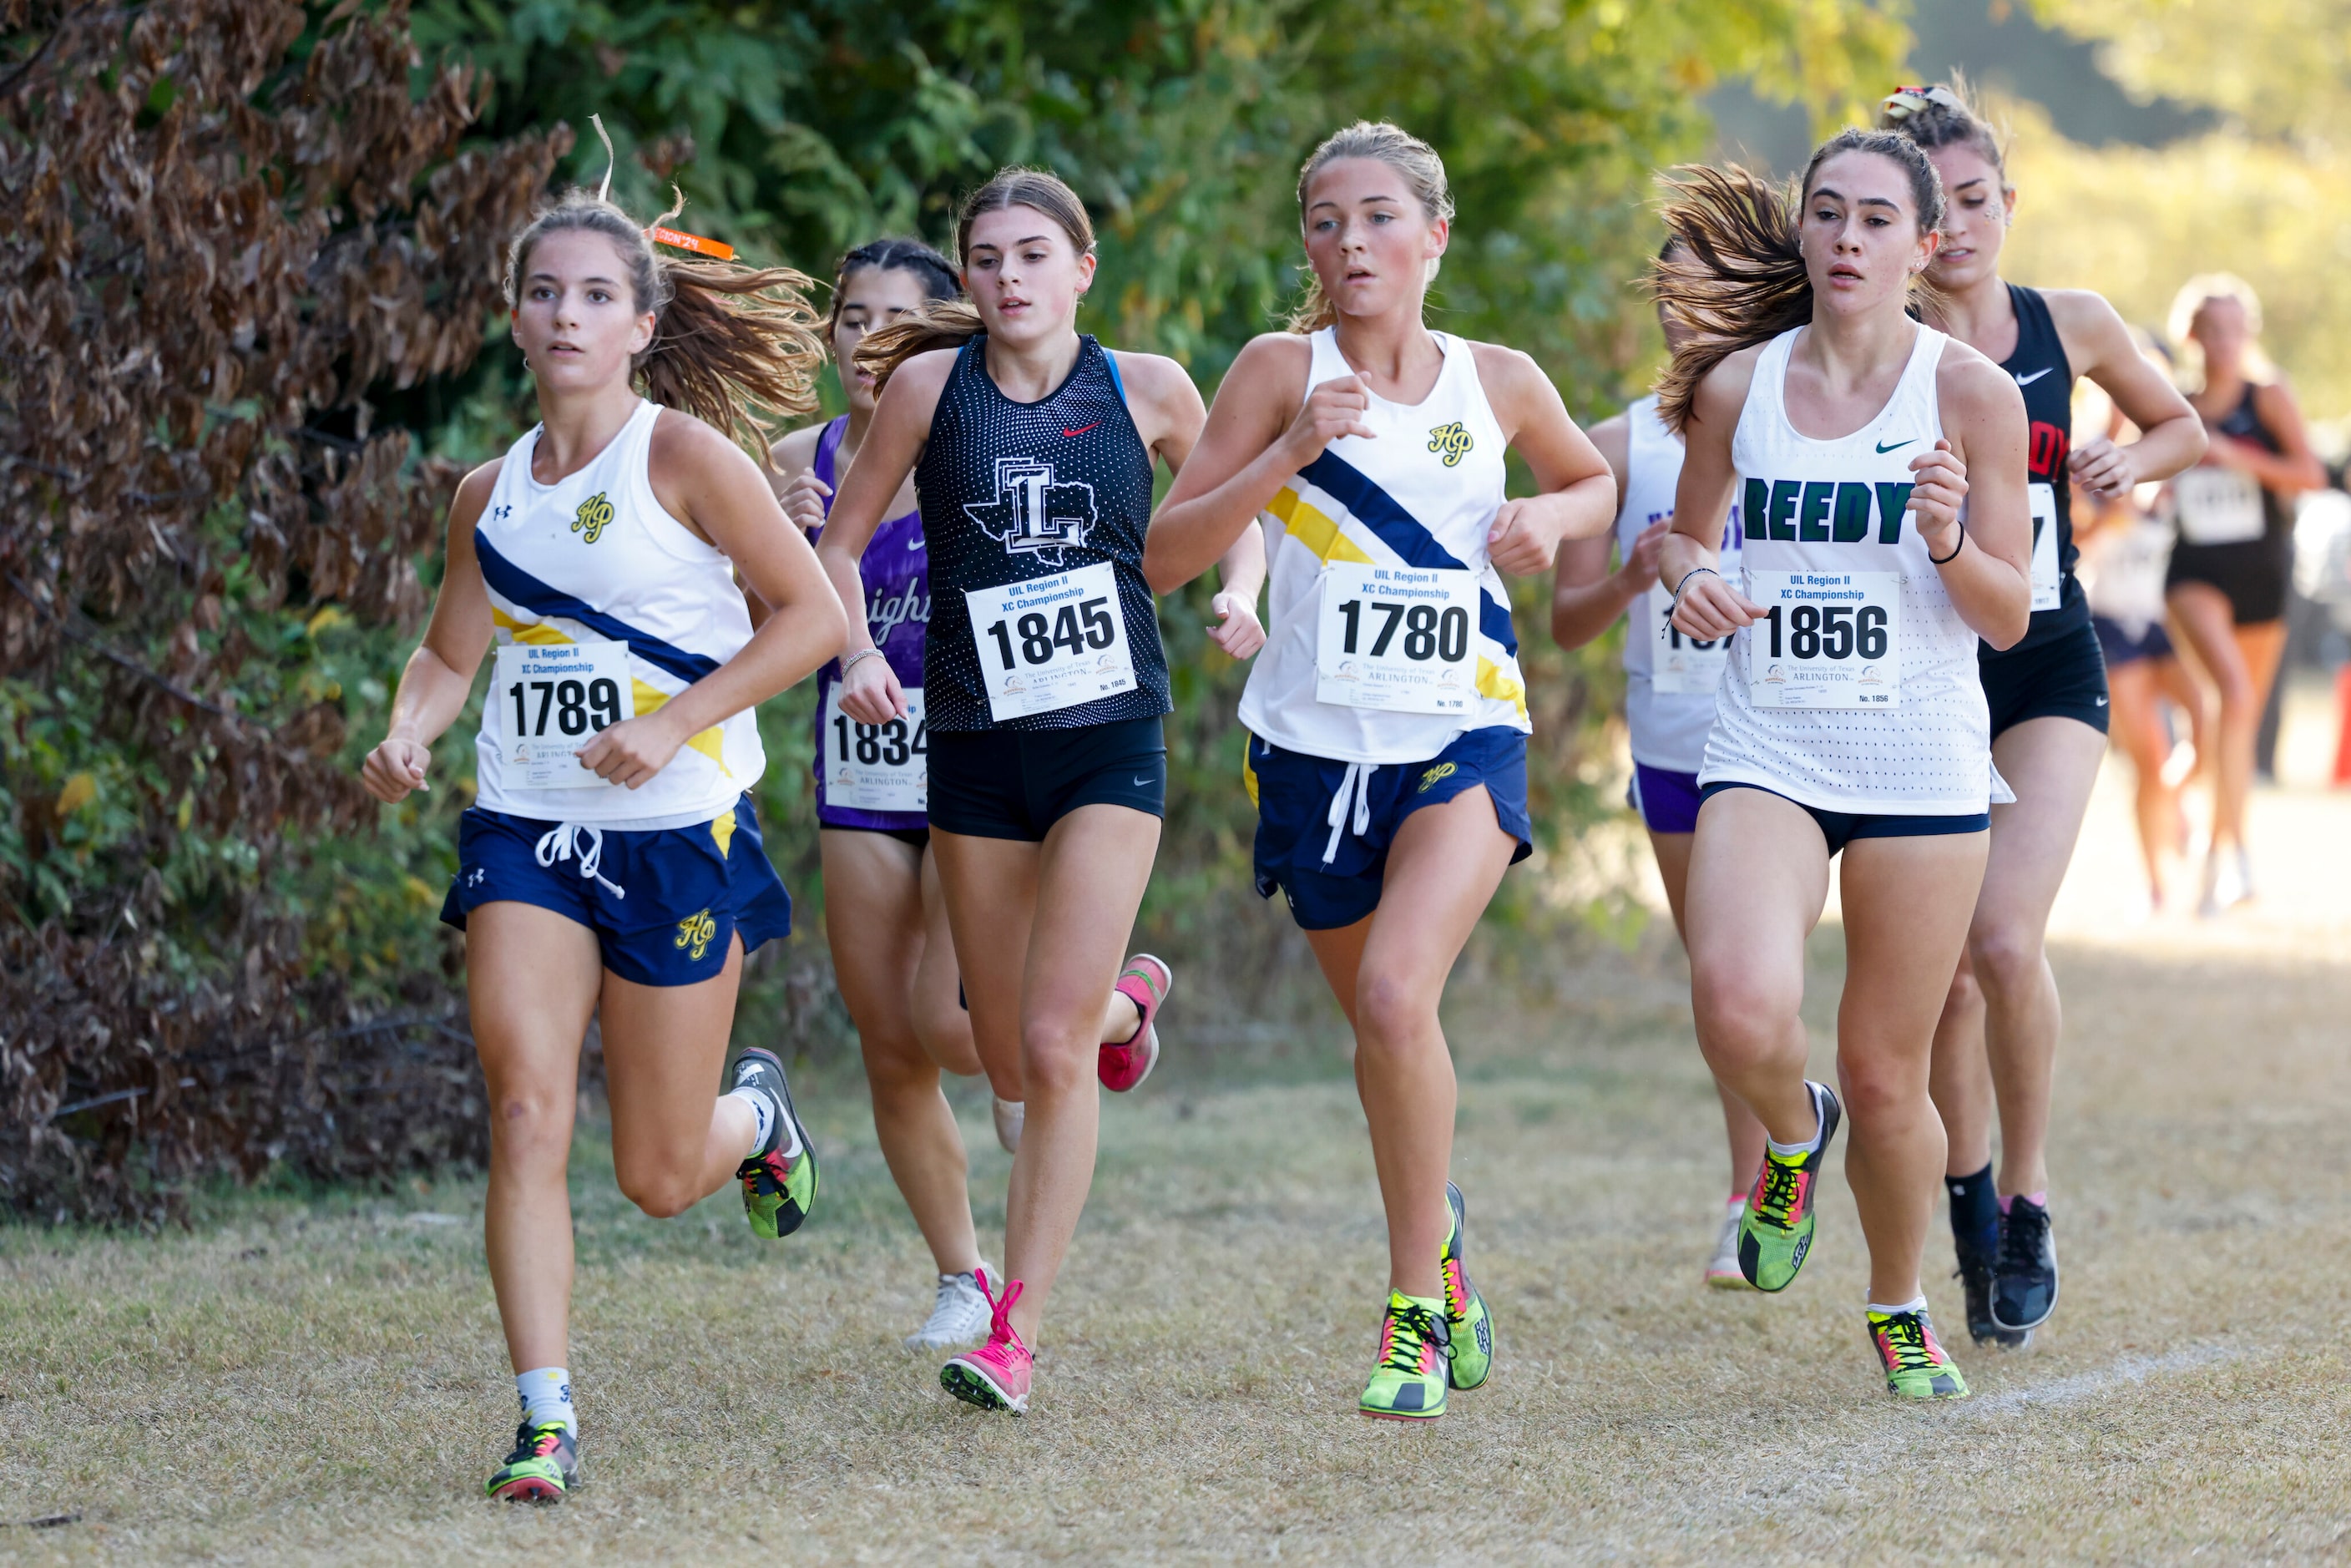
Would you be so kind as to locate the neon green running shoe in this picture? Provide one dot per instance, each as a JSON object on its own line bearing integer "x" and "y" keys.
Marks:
{"x": 1468, "y": 1327}
{"x": 1776, "y": 1231}
{"x": 1408, "y": 1384}
{"x": 543, "y": 1468}
{"x": 778, "y": 1189}
{"x": 1915, "y": 1361}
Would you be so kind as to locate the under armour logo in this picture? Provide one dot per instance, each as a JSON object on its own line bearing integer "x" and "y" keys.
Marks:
{"x": 1033, "y": 514}
{"x": 500, "y": 514}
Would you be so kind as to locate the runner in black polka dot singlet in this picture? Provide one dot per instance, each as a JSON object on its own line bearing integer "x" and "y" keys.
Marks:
{"x": 1031, "y": 447}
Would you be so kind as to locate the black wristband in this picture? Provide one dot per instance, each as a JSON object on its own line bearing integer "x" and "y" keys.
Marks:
{"x": 1932, "y": 560}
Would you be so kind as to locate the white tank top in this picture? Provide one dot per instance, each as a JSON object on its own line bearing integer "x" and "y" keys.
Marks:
{"x": 1826, "y": 510}
{"x": 594, "y": 558}
{"x": 1668, "y": 728}
{"x": 1421, "y": 495}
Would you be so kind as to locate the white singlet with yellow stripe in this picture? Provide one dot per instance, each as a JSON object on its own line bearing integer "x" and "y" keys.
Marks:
{"x": 1910, "y": 734}
{"x": 595, "y": 558}
{"x": 1423, "y": 494}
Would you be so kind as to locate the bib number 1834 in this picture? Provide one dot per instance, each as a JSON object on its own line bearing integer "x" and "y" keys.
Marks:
{"x": 876, "y": 766}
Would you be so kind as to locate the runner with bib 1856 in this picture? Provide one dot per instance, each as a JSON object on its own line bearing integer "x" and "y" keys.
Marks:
{"x": 1879, "y": 469}
{"x": 1386, "y": 720}
{"x": 1031, "y": 448}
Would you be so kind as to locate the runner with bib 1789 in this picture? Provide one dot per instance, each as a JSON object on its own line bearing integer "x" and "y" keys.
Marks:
{"x": 884, "y": 918}
{"x": 2048, "y": 702}
{"x": 1031, "y": 448}
{"x": 1880, "y": 474}
{"x": 1669, "y": 688}
{"x": 1386, "y": 720}
{"x": 611, "y": 866}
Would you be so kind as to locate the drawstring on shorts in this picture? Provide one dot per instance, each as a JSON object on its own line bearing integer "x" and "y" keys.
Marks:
{"x": 1357, "y": 781}
{"x": 558, "y": 843}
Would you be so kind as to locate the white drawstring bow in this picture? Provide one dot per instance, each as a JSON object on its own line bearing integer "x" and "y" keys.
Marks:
{"x": 1356, "y": 781}
{"x": 558, "y": 843}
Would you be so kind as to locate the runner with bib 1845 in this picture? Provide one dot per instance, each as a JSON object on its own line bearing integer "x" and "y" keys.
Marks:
{"x": 1386, "y": 720}
{"x": 2048, "y": 702}
{"x": 1880, "y": 474}
{"x": 610, "y": 866}
{"x": 1031, "y": 448}
{"x": 1669, "y": 697}
{"x": 884, "y": 918}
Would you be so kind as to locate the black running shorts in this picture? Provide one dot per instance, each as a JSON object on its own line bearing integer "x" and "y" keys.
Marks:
{"x": 2063, "y": 677}
{"x": 1017, "y": 783}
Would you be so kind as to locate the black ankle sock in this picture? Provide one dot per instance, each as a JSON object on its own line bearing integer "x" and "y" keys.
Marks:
{"x": 1975, "y": 1210}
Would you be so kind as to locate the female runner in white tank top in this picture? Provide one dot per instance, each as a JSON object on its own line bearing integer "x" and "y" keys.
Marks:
{"x": 1880, "y": 473}
{"x": 610, "y": 866}
{"x": 2049, "y": 704}
{"x": 1669, "y": 680}
{"x": 1387, "y": 721}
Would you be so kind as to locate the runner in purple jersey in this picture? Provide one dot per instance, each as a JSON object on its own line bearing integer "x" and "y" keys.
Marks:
{"x": 892, "y": 955}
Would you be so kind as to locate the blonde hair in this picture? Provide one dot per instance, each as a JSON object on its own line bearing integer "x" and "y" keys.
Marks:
{"x": 1401, "y": 150}
{"x": 728, "y": 340}
{"x": 2180, "y": 326}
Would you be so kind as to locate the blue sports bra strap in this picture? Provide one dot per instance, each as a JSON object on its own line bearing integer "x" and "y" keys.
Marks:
{"x": 1115, "y": 380}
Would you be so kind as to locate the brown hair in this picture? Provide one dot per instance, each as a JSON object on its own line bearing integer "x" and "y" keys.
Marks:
{"x": 1401, "y": 150}
{"x": 935, "y": 272}
{"x": 728, "y": 342}
{"x": 951, "y": 323}
{"x": 1944, "y": 115}
{"x": 1738, "y": 277}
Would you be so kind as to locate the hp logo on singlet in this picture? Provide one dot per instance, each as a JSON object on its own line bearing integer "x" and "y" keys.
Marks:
{"x": 1033, "y": 514}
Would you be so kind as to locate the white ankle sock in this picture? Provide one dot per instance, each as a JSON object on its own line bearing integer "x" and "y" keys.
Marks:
{"x": 1809, "y": 1145}
{"x": 763, "y": 1112}
{"x": 546, "y": 1395}
{"x": 1917, "y": 1306}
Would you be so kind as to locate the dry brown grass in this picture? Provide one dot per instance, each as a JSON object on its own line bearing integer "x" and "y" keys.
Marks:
{"x": 323, "y": 1381}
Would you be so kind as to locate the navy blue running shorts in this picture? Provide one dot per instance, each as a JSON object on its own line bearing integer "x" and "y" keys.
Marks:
{"x": 1842, "y": 827}
{"x": 663, "y": 904}
{"x": 1017, "y": 783}
{"x": 1334, "y": 882}
{"x": 2063, "y": 677}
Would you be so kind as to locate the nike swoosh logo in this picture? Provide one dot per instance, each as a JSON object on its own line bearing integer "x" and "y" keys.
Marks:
{"x": 1883, "y": 449}
{"x": 2028, "y": 381}
{"x": 1142, "y": 783}
{"x": 1079, "y": 431}
{"x": 2102, "y": 702}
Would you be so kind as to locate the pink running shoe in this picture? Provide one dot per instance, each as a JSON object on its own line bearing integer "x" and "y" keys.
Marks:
{"x": 1144, "y": 982}
{"x": 996, "y": 1375}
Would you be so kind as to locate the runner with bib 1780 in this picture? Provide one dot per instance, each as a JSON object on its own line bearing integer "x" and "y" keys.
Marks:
{"x": 1386, "y": 718}
{"x": 1880, "y": 471}
{"x": 884, "y": 918}
{"x": 1031, "y": 448}
{"x": 611, "y": 866}
{"x": 1670, "y": 689}
{"x": 2048, "y": 702}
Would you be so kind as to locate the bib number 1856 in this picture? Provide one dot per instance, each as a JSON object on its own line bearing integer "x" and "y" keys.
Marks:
{"x": 1826, "y": 639}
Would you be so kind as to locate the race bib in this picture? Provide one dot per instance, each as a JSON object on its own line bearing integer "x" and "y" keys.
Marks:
{"x": 2217, "y": 506}
{"x": 876, "y": 766}
{"x": 1396, "y": 638}
{"x": 1828, "y": 639}
{"x": 551, "y": 699}
{"x": 1679, "y": 664}
{"x": 2046, "y": 588}
{"x": 1050, "y": 643}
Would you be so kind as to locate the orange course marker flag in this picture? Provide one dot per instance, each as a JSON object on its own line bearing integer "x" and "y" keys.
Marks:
{"x": 717, "y": 250}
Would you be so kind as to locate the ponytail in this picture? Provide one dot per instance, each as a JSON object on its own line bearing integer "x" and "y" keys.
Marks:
{"x": 942, "y": 324}
{"x": 736, "y": 347}
{"x": 1733, "y": 276}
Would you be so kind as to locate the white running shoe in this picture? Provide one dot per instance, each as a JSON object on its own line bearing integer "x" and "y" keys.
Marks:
{"x": 960, "y": 1316}
{"x": 1722, "y": 1270}
{"x": 1010, "y": 1115}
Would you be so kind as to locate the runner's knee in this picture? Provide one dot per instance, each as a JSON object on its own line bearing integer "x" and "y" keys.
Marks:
{"x": 1392, "y": 1011}
{"x": 1879, "y": 1086}
{"x": 1743, "y": 1021}
{"x": 662, "y": 1188}
{"x": 2007, "y": 957}
{"x": 531, "y": 1128}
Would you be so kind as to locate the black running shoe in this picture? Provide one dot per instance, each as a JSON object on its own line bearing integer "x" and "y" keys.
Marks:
{"x": 2025, "y": 1280}
{"x": 1974, "y": 1274}
{"x": 543, "y": 1468}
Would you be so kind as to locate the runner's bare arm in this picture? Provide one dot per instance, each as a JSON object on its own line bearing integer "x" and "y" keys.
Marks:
{"x": 714, "y": 488}
{"x": 1586, "y": 598}
{"x": 1980, "y": 464}
{"x": 798, "y": 491}
{"x": 2097, "y": 345}
{"x": 1708, "y": 607}
{"x": 2290, "y": 472}
{"x": 1575, "y": 493}
{"x": 1164, "y": 403}
{"x": 1257, "y": 435}
{"x": 870, "y": 693}
{"x": 440, "y": 674}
